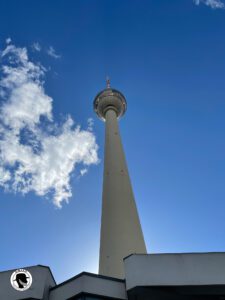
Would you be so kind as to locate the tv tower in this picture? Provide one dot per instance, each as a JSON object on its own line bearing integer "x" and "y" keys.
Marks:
{"x": 121, "y": 233}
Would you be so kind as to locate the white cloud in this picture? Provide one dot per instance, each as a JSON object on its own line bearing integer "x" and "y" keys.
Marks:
{"x": 51, "y": 52}
{"x": 90, "y": 122}
{"x": 37, "y": 154}
{"x": 36, "y": 47}
{"x": 83, "y": 171}
{"x": 212, "y": 3}
{"x": 8, "y": 40}
{"x": 4, "y": 176}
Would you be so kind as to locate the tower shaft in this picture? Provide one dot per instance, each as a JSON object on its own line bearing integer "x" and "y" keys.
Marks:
{"x": 121, "y": 232}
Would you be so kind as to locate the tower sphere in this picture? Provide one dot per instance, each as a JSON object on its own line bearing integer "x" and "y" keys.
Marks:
{"x": 110, "y": 99}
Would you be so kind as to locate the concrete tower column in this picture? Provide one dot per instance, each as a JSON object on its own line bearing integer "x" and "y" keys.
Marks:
{"x": 121, "y": 232}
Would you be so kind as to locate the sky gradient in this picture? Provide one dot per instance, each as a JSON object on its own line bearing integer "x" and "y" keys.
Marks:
{"x": 168, "y": 59}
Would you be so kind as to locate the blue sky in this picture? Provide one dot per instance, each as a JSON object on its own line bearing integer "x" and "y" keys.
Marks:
{"x": 168, "y": 59}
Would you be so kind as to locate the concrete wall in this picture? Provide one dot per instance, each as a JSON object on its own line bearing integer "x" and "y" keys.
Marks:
{"x": 43, "y": 286}
{"x": 175, "y": 269}
{"x": 42, "y": 280}
{"x": 90, "y": 284}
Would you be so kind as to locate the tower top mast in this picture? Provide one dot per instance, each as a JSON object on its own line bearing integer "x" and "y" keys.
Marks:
{"x": 108, "y": 82}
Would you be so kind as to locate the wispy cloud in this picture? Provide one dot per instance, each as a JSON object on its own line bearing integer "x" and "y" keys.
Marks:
{"x": 83, "y": 171}
{"x": 36, "y": 47}
{"x": 8, "y": 40}
{"x": 51, "y": 52}
{"x": 215, "y": 4}
{"x": 36, "y": 153}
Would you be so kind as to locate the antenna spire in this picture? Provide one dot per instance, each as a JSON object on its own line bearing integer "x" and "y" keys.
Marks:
{"x": 107, "y": 82}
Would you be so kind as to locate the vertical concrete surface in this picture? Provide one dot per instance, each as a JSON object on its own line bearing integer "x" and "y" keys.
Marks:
{"x": 121, "y": 233}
